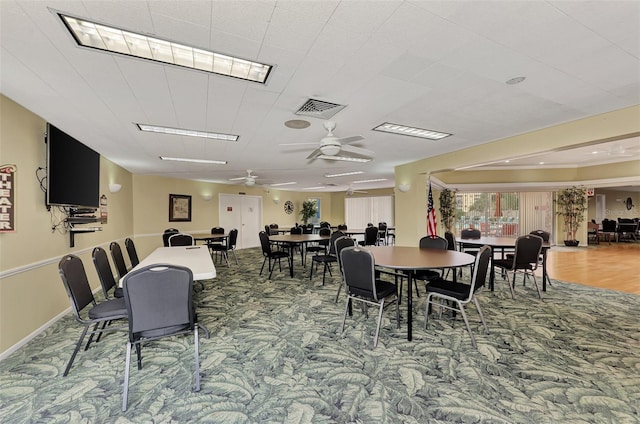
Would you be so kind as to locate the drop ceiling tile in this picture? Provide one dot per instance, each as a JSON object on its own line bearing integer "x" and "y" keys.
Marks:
{"x": 188, "y": 91}
{"x": 190, "y": 13}
{"x": 149, "y": 86}
{"x": 295, "y": 26}
{"x": 124, "y": 14}
{"x": 243, "y": 19}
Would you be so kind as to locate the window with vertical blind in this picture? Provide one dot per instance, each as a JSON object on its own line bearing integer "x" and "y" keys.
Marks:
{"x": 359, "y": 211}
{"x": 505, "y": 214}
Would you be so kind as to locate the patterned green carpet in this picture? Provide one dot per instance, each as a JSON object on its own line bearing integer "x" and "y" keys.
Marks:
{"x": 275, "y": 356}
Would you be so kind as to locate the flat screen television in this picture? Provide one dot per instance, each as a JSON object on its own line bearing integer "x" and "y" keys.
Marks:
{"x": 73, "y": 171}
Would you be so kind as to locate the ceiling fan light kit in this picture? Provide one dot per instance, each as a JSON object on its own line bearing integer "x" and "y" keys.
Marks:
{"x": 330, "y": 149}
{"x": 249, "y": 179}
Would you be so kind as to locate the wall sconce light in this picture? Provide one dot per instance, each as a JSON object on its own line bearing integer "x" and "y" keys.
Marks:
{"x": 276, "y": 200}
{"x": 114, "y": 188}
{"x": 404, "y": 187}
{"x": 206, "y": 197}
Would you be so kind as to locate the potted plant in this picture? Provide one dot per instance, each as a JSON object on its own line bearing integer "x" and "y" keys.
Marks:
{"x": 571, "y": 204}
{"x": 448, "y": 208}
{"x": 308, "y": 211}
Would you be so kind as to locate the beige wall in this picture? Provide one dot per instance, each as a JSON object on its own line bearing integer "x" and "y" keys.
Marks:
{"x": 410, "y": 206}
{"x": 615, "y": 206}
{"x": 29, "y": 256}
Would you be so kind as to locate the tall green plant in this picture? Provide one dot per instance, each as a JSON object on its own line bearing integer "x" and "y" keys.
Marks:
{"x": 448, "y": 208}
{"x": 308, "y": 211}
{"x": 571, "y": 204}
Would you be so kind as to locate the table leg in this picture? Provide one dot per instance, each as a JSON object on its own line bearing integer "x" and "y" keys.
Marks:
{"x": 492, "y": 272}
{"x": 304, "y": 256}
{"x": 291, "y": 249}
{"x": 544, "y": 270}
{"x": 409, "y": 306}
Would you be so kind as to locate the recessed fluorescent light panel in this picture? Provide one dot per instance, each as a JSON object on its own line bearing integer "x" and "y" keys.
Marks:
{"x": 101, "y": 37}
{"x": 369, "y": 181}
{"x": 344, "y": 174}
{"x": 344, "y": 158}
{"x": 411, "y": 131}
{"x": 189, "y": 133}
{"x": 283, "y": 184}
{"x": 216, "y": 162}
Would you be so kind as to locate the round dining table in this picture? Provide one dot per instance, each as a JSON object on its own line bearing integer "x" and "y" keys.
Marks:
{"x": 297, "y": 239}
{"x": 503, "y": 243}
{"x": 410, "y": 259}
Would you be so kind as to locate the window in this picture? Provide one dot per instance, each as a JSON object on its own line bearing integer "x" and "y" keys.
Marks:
{"x": 508, "y": 214}
{"x": 359, "y": 211}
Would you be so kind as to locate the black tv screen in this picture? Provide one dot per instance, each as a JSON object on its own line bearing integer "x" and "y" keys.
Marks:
{"x": 73, "y": 171}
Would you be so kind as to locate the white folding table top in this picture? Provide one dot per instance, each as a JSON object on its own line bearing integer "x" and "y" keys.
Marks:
{"x": 196, "y": 258}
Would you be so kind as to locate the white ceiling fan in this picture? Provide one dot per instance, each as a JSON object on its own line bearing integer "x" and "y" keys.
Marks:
{"x": 351, "y": 191}
{"x": 249, "y": 179}
{"x": 335, "y": 148}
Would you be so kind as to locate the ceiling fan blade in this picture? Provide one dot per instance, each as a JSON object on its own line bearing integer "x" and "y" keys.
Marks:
{"x": 349, "y": 140}
{"x": 237, "y": 178}
{"x": 314, "y": 154}
{"x": 358, "y": 151}
{"x": 298, "y": 144}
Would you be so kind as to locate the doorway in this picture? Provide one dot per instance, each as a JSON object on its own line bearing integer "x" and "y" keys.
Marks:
{"x": 244, "y": 213}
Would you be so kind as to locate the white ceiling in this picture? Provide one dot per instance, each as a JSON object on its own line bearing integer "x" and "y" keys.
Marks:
{"x": 439, "y": 65}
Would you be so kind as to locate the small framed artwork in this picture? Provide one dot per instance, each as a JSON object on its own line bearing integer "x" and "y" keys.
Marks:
{"x": 179, "y": 207}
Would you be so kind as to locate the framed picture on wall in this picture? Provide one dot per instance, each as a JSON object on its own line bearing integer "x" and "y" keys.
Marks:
{"x": 179, "y": 207}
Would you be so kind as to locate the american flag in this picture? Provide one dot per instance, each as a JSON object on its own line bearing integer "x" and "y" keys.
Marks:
{"x": 431, "y": 215}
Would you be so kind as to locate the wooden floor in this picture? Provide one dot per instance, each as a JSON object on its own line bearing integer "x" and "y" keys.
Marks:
{"x": 615, "y": 266}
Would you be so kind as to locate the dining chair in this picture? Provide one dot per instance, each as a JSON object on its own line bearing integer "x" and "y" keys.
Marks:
{"x": 168, "y": 233}
{"x": 341, "y": 243}
{"x": 358, "y": 268}
{"x": 118, "y": 259}
{"x": 225, "y": 248}
{"x": 469, "y": 233}
{"x": 451, "y": 245}
{"x": 426, "y": 275}
{"x": 609, "y": 228}
{"x": 382, "y": 234}
{"x": 181, "y": 239}
{"x": 370, "y": 237}
{"x": 131, "y": 251}
{"x": 297, "y": 230}
{"x": 525, "y": 260}
{"x": 273, "y": 229}
{"x": 320, "y": 246}
{"x": 326, "y": 259}
{"x": 76, "y": 284}
{"x": 271, "y": 255}
{"x": 159, "y": 304}
{"x": 215, "y": 230}
{"x": 103, "y": 269}
{"x": 458, "y": 294}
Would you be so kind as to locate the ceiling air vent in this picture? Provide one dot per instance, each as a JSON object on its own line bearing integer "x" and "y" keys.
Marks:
{"x": 319, "y": 109}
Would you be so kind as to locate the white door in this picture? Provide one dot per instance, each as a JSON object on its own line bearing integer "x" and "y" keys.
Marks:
{"x": 243, "y": 213}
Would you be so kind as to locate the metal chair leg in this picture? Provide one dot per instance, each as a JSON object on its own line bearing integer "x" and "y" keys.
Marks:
{"x": 196, "y": 342}
{"x": 125, "y": 392}
{"x": 76, "y": 350}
